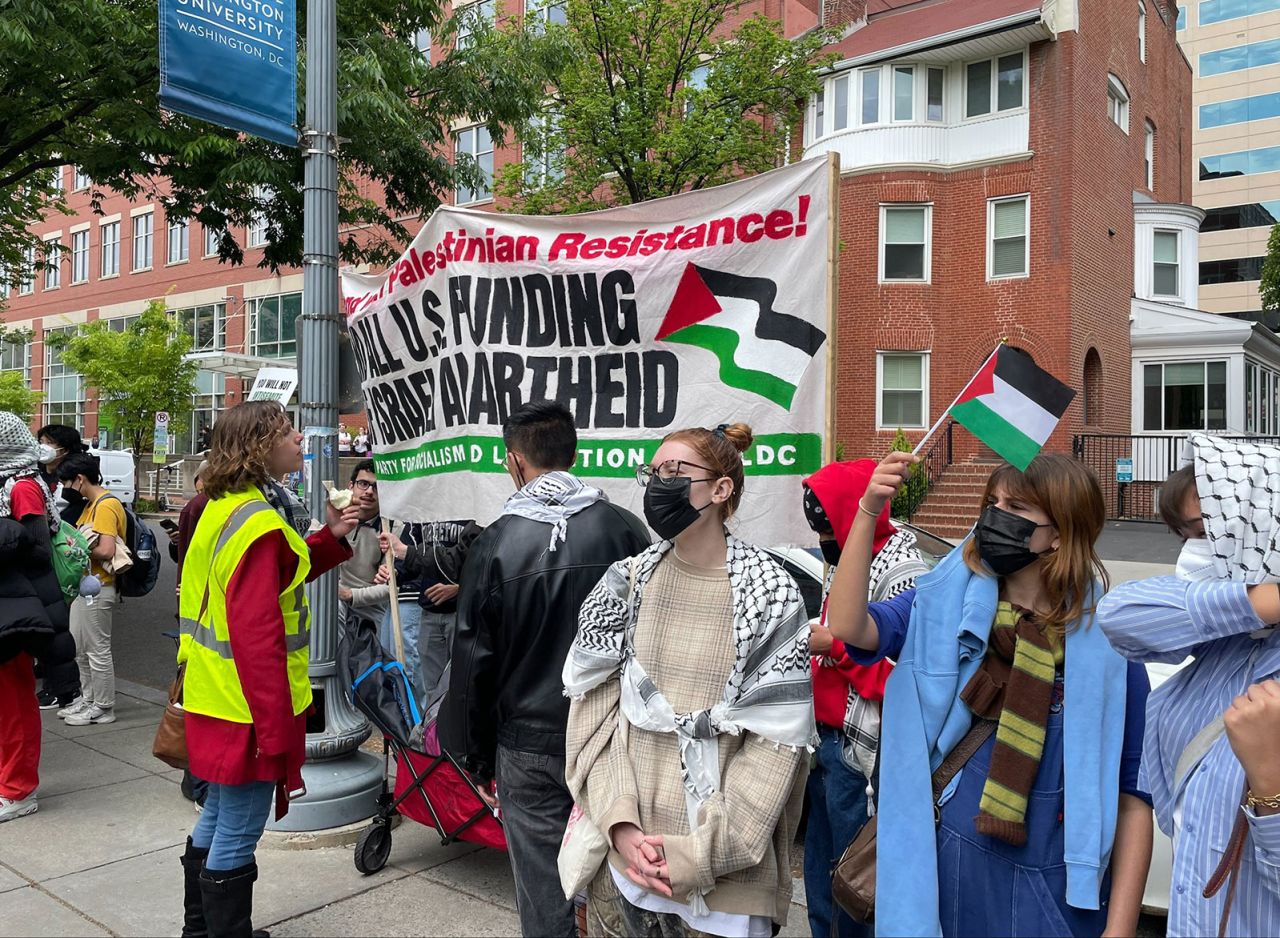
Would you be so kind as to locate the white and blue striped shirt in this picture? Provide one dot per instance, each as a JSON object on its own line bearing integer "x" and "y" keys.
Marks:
{"x": 1167, "y": 619}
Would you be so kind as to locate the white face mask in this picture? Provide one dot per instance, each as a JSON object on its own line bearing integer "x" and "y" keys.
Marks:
{"x": 1196, "y": 560}
{"x": 47, "y": 454}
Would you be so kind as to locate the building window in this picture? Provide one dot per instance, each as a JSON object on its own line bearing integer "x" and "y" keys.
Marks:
{"x": 903, "y": 381}
{"x": 1142, "y": 31}
{"x": 212, "y": 240}
{"x": 143, "y": 230}
{"x": 63, "y": 388}
{"x": 259, "y": 227}
{"x": 1184, "y": 396}
{"x": 16, "y": 356}
{"x": 1238, "y": 58}
{"x": 539, "y": 12}
{"x": 206, "y": 404}
{"x": 1164, "y": 277}
{"x": 1231, "y": 217}
{"x": 1239, "y": 110}
{"x": 206, "y": 324}
{"x": 1118, "y": 103}
{"x": 1092, "y": 387}
{"x": 422, "y": 42}
{"x": 476, "y": 143}
{"x": 904, "y": 92}
{"x": 53, "y": 264}
{"x": 1182, "y": 17}
{"x": 80, "y": 256}
{"x": 937, "y": 87}
{"x": 1149, "y": 156}
{"x": 1234, "y": 270}
{"x": 870, "y": 96}
{"x": 1008, "y": 250}
{"x": 27, "y": 275}
{"x": 839, "y": 108}
{"x": 55, "y": 180}
{"x": 1216, "y": 11}
{"x": 79, "y": 180}
{"x": 1241, "y": 163}
{"x": 110, "y": 248}
{"x": 179, "y": 241}
{"x": 121, "y": 323}
{"x": 274, "y": 318}
{"x": 472, "y": 18}
{"x": 904, "y": 243}
{"x": 697, "y": 82}
{"x": 995, "y": 85}
{"x": 544, "y": 161}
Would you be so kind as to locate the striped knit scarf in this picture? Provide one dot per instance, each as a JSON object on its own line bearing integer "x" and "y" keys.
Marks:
{"x": 1015, "y": 686}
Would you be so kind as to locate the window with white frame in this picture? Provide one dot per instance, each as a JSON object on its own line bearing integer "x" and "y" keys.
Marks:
{"x": 110, "y": 233}
{"x": 53, "y": 263}
{"x": 904, "y": 242}
{"x": 1185, "y": 396}
{"x": 27, "y": 275}
{"x": 259, "y": 227}
{"x": 80, "y": 256}
{"x": 16, "y": 356}
{"x": 206, "y": 324}
{"x": 179, "y": 241}
{"x": 1118, "y": 103}
{"x": 143, "y": 240}
{"x": 79, "y": 180}
{"x": 935, "y": 94}
{"x": 538, "y": 12}
{"x": 903, "y": 390}
{"x": 121, "y": 323}
{"x": 1008, "y": 249}
{"x": 543, "y": 159}
{"x": 55, "y": 180}
{"x": 476, "y": 143}
{"x": 904, "y": 92}
{"x": 995, "y": 85}
{"x": 206, "y": 404}
{"x": 473, "y": 17}
{"x": 273, "y": 332}
{"x": 63, "y": 388}
{"x": 422, "y": 42}
{"x": 697, "y": 82}
{"x": 212, "y": 238}
{"x": 1164, "y": 274}
{"x": 869, "y": 96}
{"x": 1142, "y": 31}
{"x": 1149, "y": 156}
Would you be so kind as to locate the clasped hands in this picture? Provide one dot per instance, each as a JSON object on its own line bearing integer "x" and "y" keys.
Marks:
{"x": 644, "y": 856}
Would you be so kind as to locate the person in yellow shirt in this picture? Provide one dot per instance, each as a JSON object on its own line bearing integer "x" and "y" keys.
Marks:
{"x": 91, "y": 617}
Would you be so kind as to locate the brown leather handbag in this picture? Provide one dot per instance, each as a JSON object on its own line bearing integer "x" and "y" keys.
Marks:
{"x": 170, "y": 745}
{"x": 853, "y": 884}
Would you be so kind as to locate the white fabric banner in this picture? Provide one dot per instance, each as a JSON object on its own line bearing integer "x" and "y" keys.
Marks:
{"x": 695, "y": 310}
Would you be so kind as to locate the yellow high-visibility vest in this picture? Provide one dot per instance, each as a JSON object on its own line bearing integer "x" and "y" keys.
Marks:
{"x": 227, "y": 527}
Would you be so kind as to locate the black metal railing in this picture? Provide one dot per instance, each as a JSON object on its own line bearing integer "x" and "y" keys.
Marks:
{"x": 1131, "y": 469}
{"x": 939, "y": 455}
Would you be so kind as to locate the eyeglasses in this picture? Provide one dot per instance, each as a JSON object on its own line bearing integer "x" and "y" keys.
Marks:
{"x": 365, "y": 485}
{"x": 669, "y": 470}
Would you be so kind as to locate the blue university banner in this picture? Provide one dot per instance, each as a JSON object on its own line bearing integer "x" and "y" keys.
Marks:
{"x": 233, "y": 63}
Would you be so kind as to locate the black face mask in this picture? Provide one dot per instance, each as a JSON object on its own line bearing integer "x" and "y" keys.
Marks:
{"x": 830, "y": 551}
{"x": 667, "y": 507}
{"x": 1004, "y": 540}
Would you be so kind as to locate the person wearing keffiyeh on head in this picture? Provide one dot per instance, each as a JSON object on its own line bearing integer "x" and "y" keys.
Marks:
{"x": 33, "y": 613}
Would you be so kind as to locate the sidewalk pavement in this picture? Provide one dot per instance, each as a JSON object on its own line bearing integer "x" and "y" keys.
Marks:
{"x": 100, "y": 857}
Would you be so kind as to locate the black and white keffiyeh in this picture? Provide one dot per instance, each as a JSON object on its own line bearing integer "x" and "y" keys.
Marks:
{"x": 1239, "y": 487}
{"x": 553, "y": 498}
{"x": 769, "y": 692}
{"x": 19, "y": 452}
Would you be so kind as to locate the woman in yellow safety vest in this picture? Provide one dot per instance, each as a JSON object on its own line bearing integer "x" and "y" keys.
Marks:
{"x": 245, "y": 632}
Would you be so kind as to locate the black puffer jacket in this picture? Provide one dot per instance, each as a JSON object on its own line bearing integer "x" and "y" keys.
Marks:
{"x": 517, "y": 616}
{"x": 34, "y": 616}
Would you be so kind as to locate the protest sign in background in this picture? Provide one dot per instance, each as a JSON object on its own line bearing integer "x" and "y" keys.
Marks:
{"x": 705, "y": 308}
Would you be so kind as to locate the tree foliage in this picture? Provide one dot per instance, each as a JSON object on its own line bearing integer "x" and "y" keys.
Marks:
{"x": 15, "y": 395}
{"x": 915, "y": 488}
{"x": 79, "y": 81}
{"x": 1270, "y": 286}
{"x": 656, "y": 97}
{"x": 137, "y": 372}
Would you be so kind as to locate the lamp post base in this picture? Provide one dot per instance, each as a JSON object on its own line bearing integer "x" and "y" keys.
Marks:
{"x": 339, "y": 792}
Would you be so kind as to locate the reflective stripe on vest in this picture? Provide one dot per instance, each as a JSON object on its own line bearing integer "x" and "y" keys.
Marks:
{"x": 228, "y": 527}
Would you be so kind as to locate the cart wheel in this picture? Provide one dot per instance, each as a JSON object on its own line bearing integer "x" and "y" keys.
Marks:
{"x": 373, "y": 848}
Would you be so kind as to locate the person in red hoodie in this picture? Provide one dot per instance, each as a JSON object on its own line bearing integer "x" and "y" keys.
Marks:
{"x": 245, "y": 632}
{"x": 846, "y": 696}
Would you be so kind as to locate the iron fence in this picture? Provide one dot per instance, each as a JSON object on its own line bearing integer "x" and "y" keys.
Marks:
{"x": 939, "y": 455}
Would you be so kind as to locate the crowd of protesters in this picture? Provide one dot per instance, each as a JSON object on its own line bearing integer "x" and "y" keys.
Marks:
{"x": 664, "y": 685}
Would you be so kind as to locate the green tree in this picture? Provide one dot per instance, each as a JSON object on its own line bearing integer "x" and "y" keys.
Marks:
{"x": 656, "y": 97}
{"x": 916, "y": 487}
{"x": 15, "y": 396}
{"x": 136, "y": 372}
{"x": 1270, "y": 286}
{"x": 78, "y": 85}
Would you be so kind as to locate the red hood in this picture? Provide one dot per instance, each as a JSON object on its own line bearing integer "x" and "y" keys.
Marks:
{"x": 838, "y": 486}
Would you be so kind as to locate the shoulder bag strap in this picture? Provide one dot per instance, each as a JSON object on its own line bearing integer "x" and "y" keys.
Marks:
{"x": 1229, "y": 865}
{"x": 1196, "y": 750}
{"x": 962, "y": 753}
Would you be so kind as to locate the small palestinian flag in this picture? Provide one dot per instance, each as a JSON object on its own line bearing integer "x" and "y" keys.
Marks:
{"x": 760, "y": 349}
{"x": 1012, "y": 405}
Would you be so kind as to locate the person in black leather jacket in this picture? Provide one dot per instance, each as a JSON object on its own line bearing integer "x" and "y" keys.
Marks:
{"x": 524, "y": 581}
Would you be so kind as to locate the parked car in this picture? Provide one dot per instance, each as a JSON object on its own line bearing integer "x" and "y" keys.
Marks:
{"x": 806, "y": 566}
{"x": 118, "y": 475}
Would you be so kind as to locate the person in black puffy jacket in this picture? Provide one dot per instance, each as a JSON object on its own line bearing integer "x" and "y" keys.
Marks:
{"x": 34, "y": 617}
{"x": 524, "y": 580}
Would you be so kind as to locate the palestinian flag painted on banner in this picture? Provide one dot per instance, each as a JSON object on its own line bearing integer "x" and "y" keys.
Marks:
{"x": 731, "y": 316}
{"x": 1012, "y": 405}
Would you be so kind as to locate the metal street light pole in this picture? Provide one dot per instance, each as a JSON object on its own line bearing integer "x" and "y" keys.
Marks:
{"x": 342, "y": 781}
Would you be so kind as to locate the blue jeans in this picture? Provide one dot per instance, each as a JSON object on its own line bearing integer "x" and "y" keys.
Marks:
{"x": 837, "y": 811}
{"x": 232, "y": 823}
{"x": 410, "y": 619}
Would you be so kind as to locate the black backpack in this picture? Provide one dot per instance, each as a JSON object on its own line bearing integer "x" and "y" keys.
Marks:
{"x": 140, "y": 579}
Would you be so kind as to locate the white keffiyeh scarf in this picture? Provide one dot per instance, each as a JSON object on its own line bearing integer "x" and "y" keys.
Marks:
{"x": 553, "y": 498}
{"x": 18, "y": 454}
{"x": 1239, "y": 487}
{"x": 769, "y": 691}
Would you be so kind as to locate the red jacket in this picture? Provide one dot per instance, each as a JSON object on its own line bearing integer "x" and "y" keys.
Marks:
{"x": 838, "y": 486}
{"x": 271, "y": 748}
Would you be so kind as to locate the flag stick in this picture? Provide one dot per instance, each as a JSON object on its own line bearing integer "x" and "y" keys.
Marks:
{"x": 390, "y": 559}
{"x": 934, "y": 429}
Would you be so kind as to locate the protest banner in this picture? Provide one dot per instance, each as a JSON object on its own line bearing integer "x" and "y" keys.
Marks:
{"x": 695, "y": 310}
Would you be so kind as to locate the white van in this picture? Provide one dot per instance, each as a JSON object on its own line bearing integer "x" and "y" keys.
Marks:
{"x": 118, "y": 473}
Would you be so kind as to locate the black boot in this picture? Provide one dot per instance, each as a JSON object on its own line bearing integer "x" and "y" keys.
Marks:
{"x": 192, "y": 904}
{"x": 228, "y": 902}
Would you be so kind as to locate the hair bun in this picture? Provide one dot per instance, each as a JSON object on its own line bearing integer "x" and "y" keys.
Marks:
{"x": 740, "y": 435}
